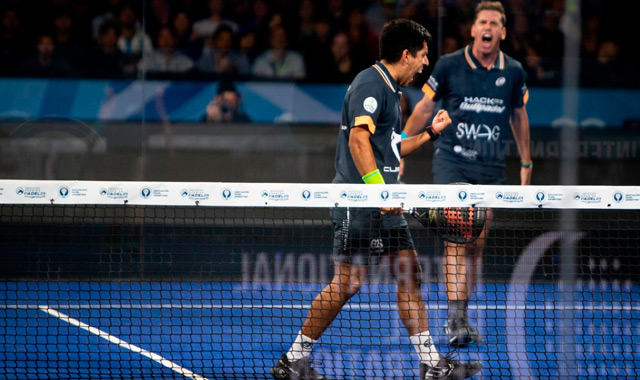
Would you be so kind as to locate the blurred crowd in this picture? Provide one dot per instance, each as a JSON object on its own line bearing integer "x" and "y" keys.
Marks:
{"x": 304, "y": 40}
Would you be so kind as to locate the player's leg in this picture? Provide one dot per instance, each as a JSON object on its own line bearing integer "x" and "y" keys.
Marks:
{"x": 460, "y": 268}
{"x": 461, "y": 263}
{"x": 474, "y": 255}
{"x": 454, "y": 259}
{"x": 413, "y": 313}
{"x": 352, "y": 240}
{"x": 347, "y": 281}
{"x": 411, "y": 307}
{"x": 455, "y": 272}
{"x": 295, "y": 364}
{"x": 408, "y": 272}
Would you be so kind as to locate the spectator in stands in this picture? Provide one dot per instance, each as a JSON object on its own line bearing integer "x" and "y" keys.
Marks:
{"x": 158, "y": 14}
{"x": 430, "y": 14}
{"x": 278, "y": 62}
{"x": 607, "y": 69}
{"x": 535, "y": 28}
{"x": 165, "y": 58}
{"x": 317, "y": 48}
{"x": 409, "y": 10}
{"x": 12, "y": 43}
{"x": 108, "y": 13}
{"x": 458, "y": 18}
{"x": 378, "y": 12}
{"x": 344, "y": 66}
{"x": 220, "y": 57}
{"x": 226, "y": 106}
{"x": 336, "y": 8}
{"x": 516, "y": 43}
{"x": 70, "y": 39}
{"x": 185, "y": 43}
{"x": 590, "y": 35}
{"x": 362, "y": 38}
{"x": 533, "y": 66}
{"x": 105, "y": 60}
{"x": 548, "y": 42}
{"x": 45, "y": 61}
{"x": 450, "y": 44}
{"x": 206, "y": 27}
{"x": 305, "y": 23}
{"x": 82, "y": 12}
{"x": 254, "y": 30}
{"x": 65, "y": 36}
{"x": 247, "y": 45}
{"x": 133, "y": 41}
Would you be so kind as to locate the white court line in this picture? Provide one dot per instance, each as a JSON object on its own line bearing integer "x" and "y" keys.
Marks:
{"x": 104, "y": 335}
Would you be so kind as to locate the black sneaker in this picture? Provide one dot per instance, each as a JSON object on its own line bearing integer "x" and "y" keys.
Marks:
{"x": 448, "y": 369}
{"x": 460, "y": 333}
{"x": 295, "y": 370}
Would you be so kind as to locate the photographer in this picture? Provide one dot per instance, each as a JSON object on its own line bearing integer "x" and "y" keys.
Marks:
{"x": 226, "y": 106}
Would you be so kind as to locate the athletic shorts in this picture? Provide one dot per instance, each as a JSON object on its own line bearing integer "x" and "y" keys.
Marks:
{"x": 363, "y": 235}
{"x": 446, "y": 172}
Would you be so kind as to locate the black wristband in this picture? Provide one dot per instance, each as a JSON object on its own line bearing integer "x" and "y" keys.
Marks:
{"x": 526, "y": 164}
{"x": 434, "y": 136}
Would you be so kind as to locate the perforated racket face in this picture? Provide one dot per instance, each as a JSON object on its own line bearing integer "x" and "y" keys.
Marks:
{"x": 460, "y": 225}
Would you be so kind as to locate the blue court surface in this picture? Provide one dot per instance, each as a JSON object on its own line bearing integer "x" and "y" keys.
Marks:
{"x": 214, "y": 330}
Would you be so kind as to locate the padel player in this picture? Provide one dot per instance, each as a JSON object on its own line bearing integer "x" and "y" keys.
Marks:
{"x": 485, "y": 91}
{"x": 368, "y": 151}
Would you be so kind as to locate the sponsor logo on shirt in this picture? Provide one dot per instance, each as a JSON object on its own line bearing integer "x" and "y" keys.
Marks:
{"x": 477, "y": 132}
{"x": 469, "y": 154}
{"x": 370, "y": 104}
{"x": 482, "y": 104}
{"x": 433, "y": 83}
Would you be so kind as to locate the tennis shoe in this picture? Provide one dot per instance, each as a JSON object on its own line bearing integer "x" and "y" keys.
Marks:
{"x": 461, "y": 333}
{"x": 295, "y": 370}
{"x": 448, "y": 369}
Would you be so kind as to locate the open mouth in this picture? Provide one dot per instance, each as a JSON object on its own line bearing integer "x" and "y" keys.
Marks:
{"x": 486, "y": 37}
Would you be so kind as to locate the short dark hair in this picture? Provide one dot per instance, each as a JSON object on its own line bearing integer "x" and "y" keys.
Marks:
{"x": 400, "y": 34}
{"x": 225, "y": 86}
{"x": 491, "y": 6}
{"x": 222, "y": 28}
{"x": 108, "y": 25}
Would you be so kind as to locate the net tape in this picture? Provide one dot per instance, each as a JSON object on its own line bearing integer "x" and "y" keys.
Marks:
{"x": 317, "y": 195}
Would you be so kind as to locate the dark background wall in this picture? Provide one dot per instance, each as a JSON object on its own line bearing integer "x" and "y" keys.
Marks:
{"x": 73, "y": 150}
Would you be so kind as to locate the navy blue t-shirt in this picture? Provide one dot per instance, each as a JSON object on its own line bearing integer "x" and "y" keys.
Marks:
{"x": 480, "y": 103}
{"x": 372, "y": 100}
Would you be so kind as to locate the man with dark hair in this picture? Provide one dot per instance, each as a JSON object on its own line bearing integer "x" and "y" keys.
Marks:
{"x": 105, "y": 60}
{"x": 226, "y": 106}
{"x": 486, "y": 93}
{"x": 369, "y": 149}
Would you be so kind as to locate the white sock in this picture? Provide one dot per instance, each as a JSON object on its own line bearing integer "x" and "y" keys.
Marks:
{"x": 301, "y": 347}
{"x": 423, "y": 343}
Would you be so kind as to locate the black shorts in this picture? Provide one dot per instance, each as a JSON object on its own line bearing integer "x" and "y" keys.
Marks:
{"x": 367, "y": 235}
{"x": 447, "y": 172}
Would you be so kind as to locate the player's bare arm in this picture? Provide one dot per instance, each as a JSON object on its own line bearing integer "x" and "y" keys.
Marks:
{"x": 363, "y": 157}
{"x": 361, "y": 150}
{"x": 410, "y": 144}
{"x": 520, "y": 127}
{"x": 420, "y": 116}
